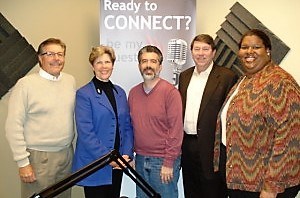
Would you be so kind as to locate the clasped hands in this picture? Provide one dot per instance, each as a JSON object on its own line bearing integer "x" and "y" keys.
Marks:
{"x": 116, "y": 166}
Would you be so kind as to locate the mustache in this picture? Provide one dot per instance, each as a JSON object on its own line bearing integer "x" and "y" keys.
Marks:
{"x": 148, "y": 68}
{"x": 56, "y": 62}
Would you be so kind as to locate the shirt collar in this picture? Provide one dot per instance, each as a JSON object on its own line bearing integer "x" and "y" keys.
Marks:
{"x": 48, "y": 76}
{"x": 206, "y": 72}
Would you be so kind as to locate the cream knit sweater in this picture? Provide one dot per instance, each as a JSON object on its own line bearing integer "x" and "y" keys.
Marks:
{"x": 40, "y": 115}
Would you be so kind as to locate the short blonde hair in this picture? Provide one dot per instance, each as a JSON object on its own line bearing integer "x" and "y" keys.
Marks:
{"x": 99, "y": 51}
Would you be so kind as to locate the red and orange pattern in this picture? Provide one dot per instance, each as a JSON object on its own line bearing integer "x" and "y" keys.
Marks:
{"x": 263, "y": 133}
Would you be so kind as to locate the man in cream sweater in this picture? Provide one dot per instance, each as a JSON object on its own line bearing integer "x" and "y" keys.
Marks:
{"x": 39, "y": 125}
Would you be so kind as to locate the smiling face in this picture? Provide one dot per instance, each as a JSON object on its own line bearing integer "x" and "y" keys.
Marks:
{"x": 103, "y": 67}
{"x": 149, "y": 65}
{"x": 253, "y": 54}
{"x": 202, "y": 54}
{"x": 52, "y": 59}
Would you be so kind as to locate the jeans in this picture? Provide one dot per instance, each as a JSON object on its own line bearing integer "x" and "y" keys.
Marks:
{"x": 149, "y": 168}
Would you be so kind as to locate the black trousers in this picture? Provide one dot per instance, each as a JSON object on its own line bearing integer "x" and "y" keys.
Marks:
{"x": 196, "y": 182}
{"x": 106, "y": 191}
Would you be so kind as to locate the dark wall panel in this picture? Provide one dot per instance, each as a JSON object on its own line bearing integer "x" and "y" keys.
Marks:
{"x": 17, "y": 56}
{"x": 238, "y": 21}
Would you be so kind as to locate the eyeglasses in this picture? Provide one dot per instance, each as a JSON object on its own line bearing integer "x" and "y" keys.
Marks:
{"x": 52, "y": 54}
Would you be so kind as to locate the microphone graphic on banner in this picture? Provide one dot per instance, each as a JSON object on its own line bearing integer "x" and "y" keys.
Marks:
{"x": 177, "y": 49}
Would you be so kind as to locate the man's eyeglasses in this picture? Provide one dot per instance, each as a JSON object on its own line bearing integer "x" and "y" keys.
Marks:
{"x": 52, "y": 54}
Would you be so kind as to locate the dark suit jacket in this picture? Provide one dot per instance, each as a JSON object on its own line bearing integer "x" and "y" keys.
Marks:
{"x": 219, "y": 83}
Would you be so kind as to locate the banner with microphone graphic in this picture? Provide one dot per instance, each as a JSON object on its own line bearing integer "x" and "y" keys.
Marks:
{"x": 128, "y": 25}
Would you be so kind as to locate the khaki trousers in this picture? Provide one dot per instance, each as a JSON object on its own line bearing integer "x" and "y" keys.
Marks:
{"x": 49, "y": 168}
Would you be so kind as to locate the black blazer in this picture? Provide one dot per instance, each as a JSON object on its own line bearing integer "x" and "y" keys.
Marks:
{"x": 218, "y": 85}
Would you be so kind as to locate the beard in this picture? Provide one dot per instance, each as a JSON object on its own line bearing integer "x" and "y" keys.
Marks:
{"x": 147, "y": 77}
{"x": 149, "y": 74}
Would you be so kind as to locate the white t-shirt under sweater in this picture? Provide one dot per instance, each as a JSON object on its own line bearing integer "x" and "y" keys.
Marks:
{"x": 40, "y": 115}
